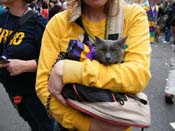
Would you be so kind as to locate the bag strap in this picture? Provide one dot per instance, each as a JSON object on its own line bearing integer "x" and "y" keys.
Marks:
{"x": 80, "y": 23}
{"x": 26, "y": 17}
{"x": 22, "y": 20}
{"x": 114, "y": 23}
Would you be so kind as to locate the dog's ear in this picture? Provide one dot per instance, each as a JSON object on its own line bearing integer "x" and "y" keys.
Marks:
{"x": 122, "y": 41}
{"x": 98, "y": 40}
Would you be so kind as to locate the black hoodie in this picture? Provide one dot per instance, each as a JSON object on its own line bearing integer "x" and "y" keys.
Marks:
{"x": 24, "y": 45}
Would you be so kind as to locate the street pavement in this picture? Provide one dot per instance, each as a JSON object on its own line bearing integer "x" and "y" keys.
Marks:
{"x": 162, "y": 113}
{"x": 9, "y": 118}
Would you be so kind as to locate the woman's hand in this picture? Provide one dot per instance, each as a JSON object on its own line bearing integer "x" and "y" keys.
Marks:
{"x": 17, "y": 67}
{"x": 98, "y": 125}
{"x": 55, "y": 83}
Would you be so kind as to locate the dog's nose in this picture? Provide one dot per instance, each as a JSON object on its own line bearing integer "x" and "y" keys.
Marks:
{"x": 108, "y": 57}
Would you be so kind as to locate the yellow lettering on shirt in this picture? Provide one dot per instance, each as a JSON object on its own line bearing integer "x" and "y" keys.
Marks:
{"x": 4, "y": 34}
{"x": 17, "y": 39}
{"x": 1, "y": 36}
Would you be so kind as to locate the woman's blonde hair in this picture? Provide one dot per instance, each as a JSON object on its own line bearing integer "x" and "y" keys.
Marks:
{"x": 108, "y": 7}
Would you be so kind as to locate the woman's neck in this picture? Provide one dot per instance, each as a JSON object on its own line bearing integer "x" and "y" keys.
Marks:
{"x": 17, "y": 8}
{"x": 94, "y": 14}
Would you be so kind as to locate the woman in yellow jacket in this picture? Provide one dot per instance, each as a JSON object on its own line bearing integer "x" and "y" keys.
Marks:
{"x": 107, "y": 19}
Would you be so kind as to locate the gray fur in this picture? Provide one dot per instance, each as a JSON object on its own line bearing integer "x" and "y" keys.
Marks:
{"x": 109, "y": 51}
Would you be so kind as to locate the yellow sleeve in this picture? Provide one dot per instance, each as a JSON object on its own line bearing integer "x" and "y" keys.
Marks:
{"x": 131, "y": 76}
{"x": 67, "y": 116}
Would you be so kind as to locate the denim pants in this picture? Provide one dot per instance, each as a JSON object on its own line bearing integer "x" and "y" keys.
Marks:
{"x": 167, "y": 34}
{"x": 33, "y": 111}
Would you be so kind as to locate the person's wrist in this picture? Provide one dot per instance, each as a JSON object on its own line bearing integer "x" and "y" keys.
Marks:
{"x": 59, "y": 67}
{"x": 29, "y": 65}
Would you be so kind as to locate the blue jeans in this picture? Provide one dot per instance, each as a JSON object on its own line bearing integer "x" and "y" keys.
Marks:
{"x": 167, "y": 34}
{"x": 33, "y": 111}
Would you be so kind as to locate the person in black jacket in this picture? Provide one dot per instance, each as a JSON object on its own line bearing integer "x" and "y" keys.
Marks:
{"x": 168, "y": 11}
{"x": 19, "y": 52}
{"x": 55, "y": 8}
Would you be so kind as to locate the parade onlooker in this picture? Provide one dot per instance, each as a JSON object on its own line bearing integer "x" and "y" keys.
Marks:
{"x": 152, "y": 12}
{"x": 19, "y": 48}
{"x": 107, "y": 19}
{"x": 35, "y": 5}
{"x": 54, "y": 8}
{"x": 45, "y": 10}
{"x": 168, "y": 12}
{"x": 160, "y": 14}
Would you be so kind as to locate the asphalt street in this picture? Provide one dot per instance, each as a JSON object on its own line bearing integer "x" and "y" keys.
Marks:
{"x": 162, "y": 113}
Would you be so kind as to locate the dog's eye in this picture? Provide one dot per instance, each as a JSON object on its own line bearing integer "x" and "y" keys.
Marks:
{"x": 114, "y": 48}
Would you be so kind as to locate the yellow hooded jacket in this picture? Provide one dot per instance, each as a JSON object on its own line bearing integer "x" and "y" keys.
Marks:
{"x": 131, "y": 76}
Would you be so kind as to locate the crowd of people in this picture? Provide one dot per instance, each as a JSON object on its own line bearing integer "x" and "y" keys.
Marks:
{"x": 163, "y": 21}
{"x": 47, "y": 8}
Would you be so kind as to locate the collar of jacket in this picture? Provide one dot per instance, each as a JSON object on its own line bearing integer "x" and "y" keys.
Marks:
{"x": 115, "y": 20}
